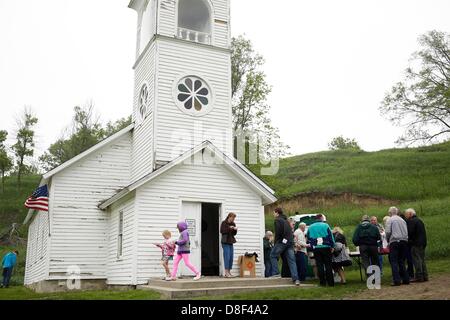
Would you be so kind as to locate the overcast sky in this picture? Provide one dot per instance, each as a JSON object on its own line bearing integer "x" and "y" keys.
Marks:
{"x": 329, "y": 61}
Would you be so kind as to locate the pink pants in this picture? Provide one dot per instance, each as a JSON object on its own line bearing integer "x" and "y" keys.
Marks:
{"x": 185, "y": 257}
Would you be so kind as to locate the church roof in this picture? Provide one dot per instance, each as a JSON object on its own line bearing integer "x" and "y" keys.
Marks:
{"x": 89, "y": 151}
{"x": 240, "y": 170}
{"x": 47, "y": 176}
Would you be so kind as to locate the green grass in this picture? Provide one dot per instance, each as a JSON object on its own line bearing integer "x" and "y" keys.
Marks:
{"x": 353, "y": 286}
{"x": 12, "y": 209}
{"x": 22, "y": 293}
{"x": 401, "y": 174}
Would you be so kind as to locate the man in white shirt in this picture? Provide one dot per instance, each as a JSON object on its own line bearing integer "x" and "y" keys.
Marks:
{"x": 300, "y": 251}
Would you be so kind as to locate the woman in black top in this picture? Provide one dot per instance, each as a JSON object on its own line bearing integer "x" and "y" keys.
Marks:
{"x": 228, "y": 230}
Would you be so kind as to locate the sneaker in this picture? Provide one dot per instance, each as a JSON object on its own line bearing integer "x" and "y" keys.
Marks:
{"x": 297, "y": 283}
{"x": 277, "y": 276}
{"x": 197, "y": 277}
{"x": 168, "y": 279}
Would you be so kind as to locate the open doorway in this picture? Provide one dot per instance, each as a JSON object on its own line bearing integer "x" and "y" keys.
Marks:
{"x": 210, "y": 239}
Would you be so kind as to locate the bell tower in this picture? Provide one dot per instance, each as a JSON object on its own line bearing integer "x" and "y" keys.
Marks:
{"x": 182, "y": 93}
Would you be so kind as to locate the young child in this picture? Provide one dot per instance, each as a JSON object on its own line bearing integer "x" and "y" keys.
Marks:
{"x": 168, "y": 251}
{"x": 183, "y": 252}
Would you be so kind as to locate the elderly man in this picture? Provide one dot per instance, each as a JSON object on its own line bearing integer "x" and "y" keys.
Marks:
{"x": 397, "y": 236}
{"x": 417, "y": 238}
{"x": 268, "y": 245}
{"x": 300, "y": 250}
{"x": 366, "y": 237}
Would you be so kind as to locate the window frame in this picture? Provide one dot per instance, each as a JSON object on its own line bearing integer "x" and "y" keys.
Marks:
{"x": 180, "y": 105}
{"x": 210, "y": 6}
{"x": 120, "y": 229}
{"x": 139, "y": 117}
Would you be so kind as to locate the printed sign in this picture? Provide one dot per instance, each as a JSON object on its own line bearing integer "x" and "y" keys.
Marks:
{"x": 191, "y": 227}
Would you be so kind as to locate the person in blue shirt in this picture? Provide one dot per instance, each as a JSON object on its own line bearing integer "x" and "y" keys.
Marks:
{"x": 9, "y": 261}
{"x": 321, "y": 240}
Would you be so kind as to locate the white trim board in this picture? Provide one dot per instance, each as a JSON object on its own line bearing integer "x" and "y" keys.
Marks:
{"x": 257, "y": 184}
{"x": 88, "y": 152}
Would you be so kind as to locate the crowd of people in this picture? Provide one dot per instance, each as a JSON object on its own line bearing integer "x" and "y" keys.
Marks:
{"x": 401, "y": 236}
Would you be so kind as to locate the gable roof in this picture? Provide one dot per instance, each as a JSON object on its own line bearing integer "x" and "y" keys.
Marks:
{"x": 240, "y": 170}
{"x": 89, "y": 151}
{"x": 47, "y": 176}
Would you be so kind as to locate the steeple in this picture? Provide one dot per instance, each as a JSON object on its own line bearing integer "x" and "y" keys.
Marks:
{"x": 182, "y": 79}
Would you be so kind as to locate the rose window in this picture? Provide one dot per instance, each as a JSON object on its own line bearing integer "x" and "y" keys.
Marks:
{"x": 143, "y": 101}
{"x": 193, "y": 96}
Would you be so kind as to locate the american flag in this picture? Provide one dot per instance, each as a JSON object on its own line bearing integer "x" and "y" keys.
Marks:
{"x": 38, "y": 200}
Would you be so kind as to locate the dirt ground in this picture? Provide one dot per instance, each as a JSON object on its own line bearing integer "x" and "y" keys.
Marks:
{"x": 438, "y": 288}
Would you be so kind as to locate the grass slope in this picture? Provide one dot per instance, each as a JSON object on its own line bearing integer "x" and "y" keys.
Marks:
{"x": 401, "y": 174}
{"x": 12, "y": 200}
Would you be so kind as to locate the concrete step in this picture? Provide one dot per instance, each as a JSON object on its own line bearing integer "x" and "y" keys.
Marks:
{"x": 214, "y": 282}
{"x": 174, "y": 293}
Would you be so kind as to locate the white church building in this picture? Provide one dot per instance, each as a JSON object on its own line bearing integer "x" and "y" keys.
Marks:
{"x": 110, "y": 204}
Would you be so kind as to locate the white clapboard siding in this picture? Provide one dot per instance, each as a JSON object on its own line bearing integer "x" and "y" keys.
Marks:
{"x": 145, "y": 73}
{"x": 79, "y": 230}
{"x": 168, "y": 23}
{"x": 37, "y": 249}
{"x": 158, "y": 205}
{"x": 120, "y": 269}
{"x": 178, "y": 58}
{"x": 143, "y": 133}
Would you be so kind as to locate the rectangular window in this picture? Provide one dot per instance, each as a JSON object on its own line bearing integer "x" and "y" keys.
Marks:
{"x": 43, "y": 243}
{"x": 120, "y": 236}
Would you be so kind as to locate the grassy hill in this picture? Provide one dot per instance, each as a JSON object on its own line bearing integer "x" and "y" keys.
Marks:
{"x": 414, "y": 177}
{"x": 12, "y": 200}
{"x": 401, "y": 174}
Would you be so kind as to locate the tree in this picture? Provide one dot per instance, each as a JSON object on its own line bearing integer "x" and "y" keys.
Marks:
{"x": 421, "y": 102}
{"x": 85, "y": 132}
{"x": 341, "y": 143}
{"x": 114, "y": 127}
{"x": 24, "y": 146}
{"x": 249, "y": 98}
{"x": 6, "y": 162}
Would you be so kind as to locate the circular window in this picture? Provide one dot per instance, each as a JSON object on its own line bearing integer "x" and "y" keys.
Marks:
{"x": 193, "y": 96}
{"x": 143, "y": 101}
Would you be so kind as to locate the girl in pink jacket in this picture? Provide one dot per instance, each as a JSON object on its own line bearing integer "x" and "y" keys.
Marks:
{"x": 168, "y": 251}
